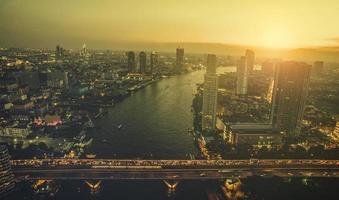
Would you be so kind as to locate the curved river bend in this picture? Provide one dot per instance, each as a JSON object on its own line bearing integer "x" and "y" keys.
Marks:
{"x": 154, "y": 122}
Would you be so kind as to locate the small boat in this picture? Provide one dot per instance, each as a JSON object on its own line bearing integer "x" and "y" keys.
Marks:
{"x": 119, "y": 126}
{"x": 104, "y": 141}
{"x": 90, "y": 155}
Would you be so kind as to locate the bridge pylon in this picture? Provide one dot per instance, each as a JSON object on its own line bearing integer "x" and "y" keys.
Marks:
{"x": 171, "y": 186}
{"x": 94, "y": 186}
{"x": 232, "y": 189}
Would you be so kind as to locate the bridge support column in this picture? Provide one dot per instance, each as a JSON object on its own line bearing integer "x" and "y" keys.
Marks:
{"x": 171, "y": 186}
{"x": 232, "y": 189}
{"x": 93, "y": 186}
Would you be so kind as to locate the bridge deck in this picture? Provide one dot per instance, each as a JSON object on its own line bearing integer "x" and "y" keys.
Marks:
{"x": 170, "y": 169}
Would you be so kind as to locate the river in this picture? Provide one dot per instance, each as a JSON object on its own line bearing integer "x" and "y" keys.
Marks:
{"x": 154, "y": 122}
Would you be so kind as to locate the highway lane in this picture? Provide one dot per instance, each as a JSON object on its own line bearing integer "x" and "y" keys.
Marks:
{"x": 185, "y": 174}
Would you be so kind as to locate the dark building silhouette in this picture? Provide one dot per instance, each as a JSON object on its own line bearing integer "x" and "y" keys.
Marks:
{"x": 250, "y": 57}
{"x": 142, "y": 62}
{"x": 289, "y": 95}
{"x": 317, "y": 68}
{"x": 153, "y": 61}
{"x": 131, "y": 61}
{"x": 59, "y": 52}
{"x": 180, "y": 58}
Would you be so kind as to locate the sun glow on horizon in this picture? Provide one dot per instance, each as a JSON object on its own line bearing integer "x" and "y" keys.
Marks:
{"x": 277, "y": 38}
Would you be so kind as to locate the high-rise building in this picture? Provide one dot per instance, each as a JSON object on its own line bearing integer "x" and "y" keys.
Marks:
{"x": 131, "y": 61}
{"x": 250, "y": 56}
{"x": 180, "y": 58}
{"x": 153, "y": 61}
{"x": 335, "y": 133}
{"x": 289, "y": 95}
{"x": 84, "y": 50}
{"x": 57, "y": 79}
{"x": 318, "y": 67}
{"x": 142, "y": 62}
{"x": 210, "y": 94}
{"x": 59, "y": 51}
{"x": 242, "y": 76}
{"x": 7, "y": 180}
{"x": 211, "y": 64}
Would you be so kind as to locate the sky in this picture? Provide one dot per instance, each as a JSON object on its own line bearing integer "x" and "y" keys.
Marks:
{"x": 105, "y": 23}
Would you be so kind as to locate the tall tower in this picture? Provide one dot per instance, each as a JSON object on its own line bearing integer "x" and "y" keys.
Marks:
{"x": 142, "y": 62}
{"x": 210, "y": 94}
{"x": 153, "y": 61}
{"x": 58, "y": 52}
{"x": 180, "y": 58}
{"x": 84, "y": 50}
{"x": 6, "y": 176}
{"x": 250, "y": 57}
{"x": 318, "y": 67}
{"x": 242, "y": 76}
{"x": 131, "y": 61}
{"x": 289, "y": 95}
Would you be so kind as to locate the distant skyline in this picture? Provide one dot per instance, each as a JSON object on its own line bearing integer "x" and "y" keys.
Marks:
{"x": 108, "y": 24}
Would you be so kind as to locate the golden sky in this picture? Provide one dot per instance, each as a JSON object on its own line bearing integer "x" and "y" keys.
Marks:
{"x": 268, "y": 23}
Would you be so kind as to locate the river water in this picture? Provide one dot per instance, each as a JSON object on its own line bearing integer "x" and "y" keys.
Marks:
{"x": 154, "y": 122}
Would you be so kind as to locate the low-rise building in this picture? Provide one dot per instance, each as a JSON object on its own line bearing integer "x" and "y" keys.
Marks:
{"x": 254, "y": 134}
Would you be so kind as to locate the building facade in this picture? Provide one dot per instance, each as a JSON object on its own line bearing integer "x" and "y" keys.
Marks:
{"x": 242, "y": 76}
{"x": 250, "y": 58}
{"x": 153, "y": 61}
{"x": 210, "y": 94}
{"x": 7, "y": 179}
{"x": 131, "y": 61}
{"x": 289, "y": 95}
{"x": 180, "y": 58}
{"x": 142, "y": 62}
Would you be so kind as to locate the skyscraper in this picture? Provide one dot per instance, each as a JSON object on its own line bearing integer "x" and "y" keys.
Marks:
{"x": 6, "y": 176}
{"x": 210, "y": 94}
{"x": 83, "y": 50}
{"x": 250, "y": 56}
{"x": 154, "y": 61}
{"x": 318, "y": 67}
{"x": 142, "y": 62}
{"x": 58, "y": 52}
{"x": 180, "y": 58}
{"x": 242, "y": 76}
{"x": 131, "y": 61}
{"x": 289, "y": 95}
{"x": 335, "y": 133}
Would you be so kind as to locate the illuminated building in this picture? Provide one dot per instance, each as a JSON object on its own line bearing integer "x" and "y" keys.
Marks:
{"x": 254, "y": 135}
{"x": 142, "y": 62}
{"x": 6, "y": 176}
{"x": 335, "y": 133}
{"x": 242, "y": 76}
{"x": 180, "y": 58}
{"x": 289, "y": 95}
{"x": 210, "y": 94}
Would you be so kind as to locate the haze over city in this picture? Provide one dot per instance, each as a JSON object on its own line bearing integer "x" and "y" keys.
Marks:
{"x": 108, "y": 24}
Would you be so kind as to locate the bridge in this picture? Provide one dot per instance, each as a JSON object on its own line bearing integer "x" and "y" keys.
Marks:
{"x": 170, "y": 169}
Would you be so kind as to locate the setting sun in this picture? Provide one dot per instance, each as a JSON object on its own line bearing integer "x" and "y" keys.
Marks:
{"x": 277, "y": 38}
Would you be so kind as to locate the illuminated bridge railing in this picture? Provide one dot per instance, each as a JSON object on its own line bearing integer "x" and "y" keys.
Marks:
{"x": 173, "y": 164}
